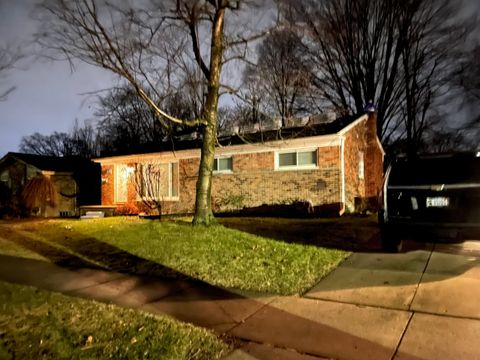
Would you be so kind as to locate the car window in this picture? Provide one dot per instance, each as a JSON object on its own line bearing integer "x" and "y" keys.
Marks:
{"x": 437, "y": 170}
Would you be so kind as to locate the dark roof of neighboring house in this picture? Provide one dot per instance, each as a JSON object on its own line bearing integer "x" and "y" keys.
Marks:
{"x": 50, "y": 163}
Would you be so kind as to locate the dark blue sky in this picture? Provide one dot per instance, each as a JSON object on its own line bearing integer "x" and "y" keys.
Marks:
{"x": 49, "y": 96}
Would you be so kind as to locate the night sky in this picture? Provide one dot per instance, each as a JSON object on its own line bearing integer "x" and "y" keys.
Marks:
{"x": 49, "y": 96}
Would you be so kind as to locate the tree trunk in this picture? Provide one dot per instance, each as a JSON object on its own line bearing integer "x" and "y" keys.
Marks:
{"x": 203, "y": 202}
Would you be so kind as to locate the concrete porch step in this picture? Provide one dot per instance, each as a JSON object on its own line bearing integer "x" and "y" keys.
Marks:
{"x": 92, "y": 215}
{"x": 95, "y": 213}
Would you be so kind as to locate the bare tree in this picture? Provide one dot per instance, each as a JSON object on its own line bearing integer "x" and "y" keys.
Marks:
{"x": 445, "y": 139}
{"x": 56, "y": 144}
{"x": 469, "y": 81}
{"x": 470, "y": 74}
{"x": 81, "y": 141}
{"x": 145, "y": 45}
{"x": 126, "y": 123}
{"x": 154, "y": 183}
{"x": 148, "y": 181}
{"x": 395, "y": 53}
{"x": 9, "y": 56}
{"x": 84, "y": 140}
{"x": 431, "y": 48}
{"x": 282, "y": 73}
{"x": 39, "y": 192}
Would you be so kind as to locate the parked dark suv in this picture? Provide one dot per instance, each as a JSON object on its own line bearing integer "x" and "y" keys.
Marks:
{"x": 434, "y": 195}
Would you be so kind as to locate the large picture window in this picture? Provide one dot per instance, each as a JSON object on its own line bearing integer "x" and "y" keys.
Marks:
{"x": 157, "y": 181}
{"x": 296, "y": 160}
{"x": 224, "y": 164}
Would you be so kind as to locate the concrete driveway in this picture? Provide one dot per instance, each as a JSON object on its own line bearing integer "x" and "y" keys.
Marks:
{"x": 430, "y": 297}
{"x": 421, "y": 304}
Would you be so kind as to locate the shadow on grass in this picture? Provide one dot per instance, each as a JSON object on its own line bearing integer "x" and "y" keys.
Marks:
{"x": 350, "y": 234}
{"x": 355, "y": 234}
{"x": 75, "y": 252}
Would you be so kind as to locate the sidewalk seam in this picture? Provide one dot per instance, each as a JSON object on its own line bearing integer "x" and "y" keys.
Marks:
{"x": 173, "y": 293}
{"x": 421, "y": 312}
{"x": 358, "y": 304}
{"x": 120, "y": 276}
{"x": 403, "y": 335}
{"x": 421, "y": 278}
{"x": 252, "y": 314}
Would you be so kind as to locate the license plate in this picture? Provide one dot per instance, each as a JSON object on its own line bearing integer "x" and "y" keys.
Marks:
{"x": 438, "y": 201}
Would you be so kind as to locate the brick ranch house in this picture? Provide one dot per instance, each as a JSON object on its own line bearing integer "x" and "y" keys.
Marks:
{"x": 335, "y": 165}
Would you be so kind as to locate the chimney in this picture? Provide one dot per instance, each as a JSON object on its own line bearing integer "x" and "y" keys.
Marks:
{"x": 372, "y": 121}
{"x": 373, "y": 157}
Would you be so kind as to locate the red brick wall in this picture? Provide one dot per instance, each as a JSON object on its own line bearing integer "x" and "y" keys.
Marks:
{"x": 108, "y": 185}
{"x": 373, "y": 161}
{"x": 253, "y": 162}
{"x": 355, "y": 142}
{"x": 253, "y": 182}
{"x": 362, "y": 138}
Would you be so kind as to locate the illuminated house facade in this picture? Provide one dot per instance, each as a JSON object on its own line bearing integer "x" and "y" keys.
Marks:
{"x": 336, "y": 166}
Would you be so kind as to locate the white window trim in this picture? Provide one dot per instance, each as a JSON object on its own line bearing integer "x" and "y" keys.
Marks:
{"x": 361, "y": 165}
{"x": 228, "y": 171}
{"x": 116, "y": 182}
{"x": 295, "y": 167}
{"x": 163, "y": 198}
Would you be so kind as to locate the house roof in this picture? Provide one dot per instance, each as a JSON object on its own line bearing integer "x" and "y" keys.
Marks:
{"x": 308, "y": 130}
{"x": 49, "y": 163}
{"x": 311, "y": 135}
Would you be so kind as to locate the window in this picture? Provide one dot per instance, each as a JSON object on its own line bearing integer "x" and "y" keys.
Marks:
{"x": 4, "y": 177}
{"x": 157, "y": 181}
{"x": 121, "y": 183}
{"x": 361, "y": 165}
{"x": 223, "y": 164}
{"x": 297, "y": 159}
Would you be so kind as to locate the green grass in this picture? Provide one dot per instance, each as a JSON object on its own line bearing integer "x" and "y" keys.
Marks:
{"x": 218, "y": 255}
{"x": 36, "y": 324}
{"x": 12, "y": 249}
{"x": 351, "y": 233}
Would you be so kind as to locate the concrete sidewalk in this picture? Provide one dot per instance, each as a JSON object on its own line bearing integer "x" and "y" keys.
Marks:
{"x": 438, "y": 288}
{"x": 418, "y": 305}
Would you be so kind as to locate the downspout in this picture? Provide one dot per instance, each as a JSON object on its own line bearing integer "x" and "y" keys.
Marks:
{"x": 75, "y": 209}
{"x": 342, "y": 174}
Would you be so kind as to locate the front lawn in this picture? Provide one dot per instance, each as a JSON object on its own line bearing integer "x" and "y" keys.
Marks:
{"x": 37, "y": 324}
{"x": 218, "y": 255}
{"x": 350, "y": 233}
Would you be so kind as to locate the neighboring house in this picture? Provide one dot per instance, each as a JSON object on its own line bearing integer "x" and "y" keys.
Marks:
{"x": 336, "y": 165}
{"x": 76, "y": 181}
